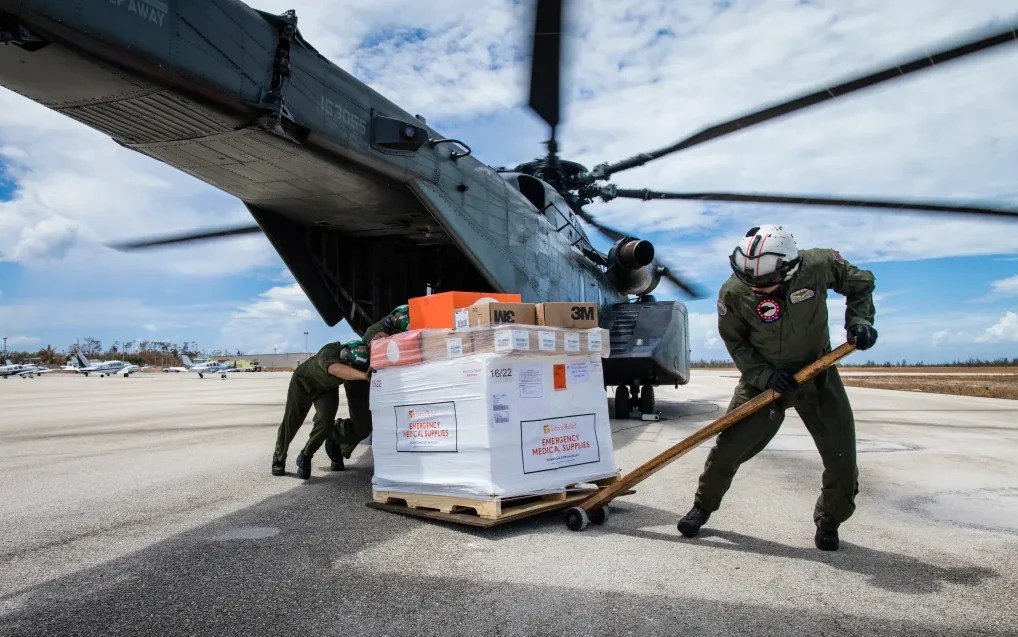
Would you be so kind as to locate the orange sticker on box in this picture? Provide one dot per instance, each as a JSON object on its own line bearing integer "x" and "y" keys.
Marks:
{"x": 559, "y": 376}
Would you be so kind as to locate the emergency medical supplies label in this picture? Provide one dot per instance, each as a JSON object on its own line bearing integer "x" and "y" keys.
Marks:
{"x": 546, "y": 341}
{"x": 426, "y": 427}
{"x": 572, "y": 341}
{"x": 554, "y": 443}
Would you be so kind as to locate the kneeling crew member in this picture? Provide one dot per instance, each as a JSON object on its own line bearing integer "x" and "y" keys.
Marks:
{"x": 772, "y": 315}
{"x": 349, "y": 432}
{"x": 316, "y": 382}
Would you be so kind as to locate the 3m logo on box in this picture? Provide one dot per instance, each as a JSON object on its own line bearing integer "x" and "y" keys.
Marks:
{"x": 572, "y": 315}
{"x": 503, "y": 316}
{"x": 582, "y": 313}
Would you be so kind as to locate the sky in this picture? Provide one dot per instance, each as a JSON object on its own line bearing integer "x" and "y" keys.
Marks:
{"x": 640, "y": 75}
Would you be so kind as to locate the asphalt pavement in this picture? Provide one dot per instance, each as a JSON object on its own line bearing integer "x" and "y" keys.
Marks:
{"x": 145, "y": 506}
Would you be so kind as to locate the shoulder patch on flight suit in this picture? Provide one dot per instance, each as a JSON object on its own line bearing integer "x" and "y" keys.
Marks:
{"x": 838, "y": 258}
{"x": 722, "y": 308}
{"x": 769, "y": 310}
{"x": 801, "y": 295}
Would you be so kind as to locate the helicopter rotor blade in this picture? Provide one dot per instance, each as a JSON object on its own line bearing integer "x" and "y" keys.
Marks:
{"x": 800, "y": 200}
{"x": 688, "y": 288}
{"x": 663, "y": 269}
{"x": 925, "y": 61}
{"x": 545, "y": 62}
{"x": 607, "y": 231}
{"x": 186, "y": 237}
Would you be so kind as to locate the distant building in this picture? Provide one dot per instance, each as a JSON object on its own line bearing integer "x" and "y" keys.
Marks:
{"x": 267, "y": 361}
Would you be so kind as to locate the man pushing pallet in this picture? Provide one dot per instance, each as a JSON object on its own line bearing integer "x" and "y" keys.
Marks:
{"x": 772, "y": 315}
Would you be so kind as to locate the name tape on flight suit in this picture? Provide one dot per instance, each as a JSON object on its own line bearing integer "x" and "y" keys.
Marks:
{"x": 801, "y": 295}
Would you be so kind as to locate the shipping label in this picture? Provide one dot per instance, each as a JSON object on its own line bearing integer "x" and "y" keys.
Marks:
{"x": 594, "y": 341}
{"x": 579, "y": 372}
{"x": 531, "y": 382}
{"x": 426, "y": 427}
{"x": 461, "y": 318}
{"x": 546, "y": 341}
{"x": 554, "y": 443}
{"x": 503, "y": 340}
{"x": 501, "y": 409}
{"x": 572, "y": 341}
{"x": 453, "y": 347}
{"x": 521, "y": 340}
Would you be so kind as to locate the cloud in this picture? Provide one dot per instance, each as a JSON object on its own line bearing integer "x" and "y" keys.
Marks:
{"x": 21, "y": 341}
{"x": 1003, "y": 331}
{"x": 704, "y": 340}
{"x": 276, "y": 321}
{"x": 1005, "y": 287}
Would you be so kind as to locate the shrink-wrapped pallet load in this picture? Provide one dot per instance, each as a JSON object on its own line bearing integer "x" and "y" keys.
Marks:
{"x": 494, "y": 411}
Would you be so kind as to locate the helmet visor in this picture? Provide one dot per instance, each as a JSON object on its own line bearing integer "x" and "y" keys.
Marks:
{"x": 748, "y": 274}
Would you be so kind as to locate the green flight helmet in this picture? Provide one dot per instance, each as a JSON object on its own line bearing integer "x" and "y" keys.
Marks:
{"x": 356, "y": 354}
{"x": 398, "y": 320}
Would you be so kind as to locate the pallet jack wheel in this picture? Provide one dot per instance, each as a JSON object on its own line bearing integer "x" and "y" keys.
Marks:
{"x": 600, "y": 516}
{"x": 576, "y": 519}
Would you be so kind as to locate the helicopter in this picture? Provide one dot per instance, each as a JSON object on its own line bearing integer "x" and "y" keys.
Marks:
{"x": 365, "y": 203}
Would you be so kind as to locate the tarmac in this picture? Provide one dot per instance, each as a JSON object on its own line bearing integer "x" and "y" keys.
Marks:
{"x": 145, "y": 505}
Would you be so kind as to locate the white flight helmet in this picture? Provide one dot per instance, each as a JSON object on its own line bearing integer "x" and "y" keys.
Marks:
{"x": 766, "y": 256}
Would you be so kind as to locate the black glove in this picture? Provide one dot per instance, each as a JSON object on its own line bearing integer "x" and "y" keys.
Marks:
{"x": 782, "y": 381}
{"x": 864, "y": 336}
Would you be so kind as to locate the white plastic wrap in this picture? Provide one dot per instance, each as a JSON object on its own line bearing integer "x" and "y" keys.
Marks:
{"x": 491, "y": 425}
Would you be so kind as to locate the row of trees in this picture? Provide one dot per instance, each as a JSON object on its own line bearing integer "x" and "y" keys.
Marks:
{"x": 970, "y": 362}
{"x": 138, "y": 352}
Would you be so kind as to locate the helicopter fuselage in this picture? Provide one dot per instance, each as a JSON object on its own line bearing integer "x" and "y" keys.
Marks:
{"x": 365, "y": 203}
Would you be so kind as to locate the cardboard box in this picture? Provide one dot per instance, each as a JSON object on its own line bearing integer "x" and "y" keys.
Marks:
{"x": 577, "y": 315}
{"x": 491, "y": 425}
{"x": 538, "y": 340}
{"x": 397, "y": 350}
{"x": 436, "y": 310}
{"x": 419, "y": 346}
{"x": 484, "y": 314}
{"x": 441, "y": 345}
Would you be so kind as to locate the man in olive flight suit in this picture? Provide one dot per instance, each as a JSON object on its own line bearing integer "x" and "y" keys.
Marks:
{"x": 347, "y": 433}
{"x": 772, "y": 316}
{"x": 316, "y": 382}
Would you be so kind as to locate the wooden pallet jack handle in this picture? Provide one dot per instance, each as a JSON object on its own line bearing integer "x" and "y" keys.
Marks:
{"x": 663, "y": 459}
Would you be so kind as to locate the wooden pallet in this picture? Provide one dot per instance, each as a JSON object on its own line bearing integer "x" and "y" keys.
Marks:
{"x": 483, "y": 512}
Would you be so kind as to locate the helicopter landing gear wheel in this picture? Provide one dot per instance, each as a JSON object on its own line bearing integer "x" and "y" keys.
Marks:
{"x": 647, "y": 399}
{"x": 599, "y": 516}
{"x": 576, "y": 519}
{"x": 623, "y": 405}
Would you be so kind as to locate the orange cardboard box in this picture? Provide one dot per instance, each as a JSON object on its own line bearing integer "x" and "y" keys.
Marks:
{"x": 436, "y": 310}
